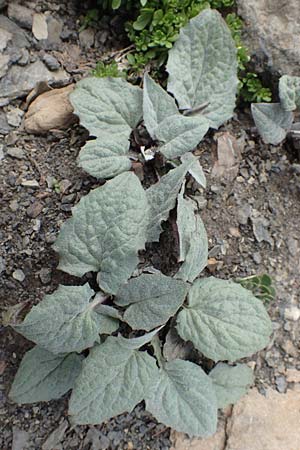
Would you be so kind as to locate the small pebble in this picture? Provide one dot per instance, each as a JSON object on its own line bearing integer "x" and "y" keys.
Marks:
{"x": 34, "y": 210}
{"x": 45, "y": 275}
{"x": 292, "y": 313}
{"x": 281, "y": 384}
{"x": 51, "y": 62}
{"x": 19, "y": 275}
{"x": 30, "y": 183}
{"x": 15, "y": 152}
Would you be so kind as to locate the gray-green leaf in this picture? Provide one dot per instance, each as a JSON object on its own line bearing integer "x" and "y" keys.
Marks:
{"x": 202, "y": 67}
{"x": 289, "y": 92}
{"x": 193, "y": 242}
{"x": 162, "y": 196}
{"x": 180, "y": 134}
{"x": 223, "y": 320}
{"x": 109, "y": 108}
{"x": 43, "y": 376}
{"x": 137, "y": 342}
{"x": 106, "y": 231}
{"x": 157, "y": 105}
{"x": 271, "y": 121}
{"x": 196, "y": 171}
{"x": 184, "y": 399}
{"x": 113, "y": 380}
{"x": 230, "y": 382}
{"x": 153, "y": 299}
{"x": 105, "y": 157}
{"x": 66, "y": 321}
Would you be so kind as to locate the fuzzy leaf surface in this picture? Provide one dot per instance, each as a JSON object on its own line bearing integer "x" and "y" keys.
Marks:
{"x": 66, "y": 321}
{"x": 152, "y": 300}
{"x": 180, "y": 134}
{"x": 202, "y": 67}
{"x": 137, "y": 342}
{"x": 157, "y": 105}
{"x": 184, "y": 399}
{"x": 106, "y": 231}
{"x": 196, "y": 171}
{"x": 109, "y": 108}
{"x": 230, "y": 382}
{"x": 43, "y": 376}
{"x": 223, "y": 320}
{"x": 271, "y": 121}
{"x": 162, "y": 196}
{"x": 193, "y": 242}
{"x": 105, "y": 157}
{"x": 113, "y": 380}
{"x": 289, "y": 92}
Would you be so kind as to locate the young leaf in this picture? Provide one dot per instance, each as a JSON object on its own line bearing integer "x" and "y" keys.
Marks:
{"x": 162, "y": 196}
{"x": 196, "y": 171}
{"x": 105, "y": 157}
{"x": 289, "y": 92}
{"x": 43, "y": 376}
{"x": 135, "y": 343}
{"x": 66, "y": 321}
{"x": 153, "y": 299}
{"x": 223, "y": 320}
{"x": 193, "y": 243}
{"x": 202, "y": 67}
{"x": 109, "y": 108}
{"x": 180, "y": 134}
{"x": 157, "y": 105}
{"x": 271, "y": 121}
{"x": 113, "y": 380}
{"x": 106, "y": 231}
{"x": 184, "y": 399}
{"x": 230, "y": 382}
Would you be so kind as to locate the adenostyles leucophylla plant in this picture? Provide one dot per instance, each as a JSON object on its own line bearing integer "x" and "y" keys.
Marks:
{"x": 76, "y": 330}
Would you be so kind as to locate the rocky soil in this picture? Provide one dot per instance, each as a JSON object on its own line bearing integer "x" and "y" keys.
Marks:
{"x": 251, "y": 210}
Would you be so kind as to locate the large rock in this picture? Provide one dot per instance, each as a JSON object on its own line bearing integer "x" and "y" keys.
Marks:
{"x": 265, "y": 423}
{"x": 273, "y": 32}
{"x": 50, "y": 110}
{"x": 19, "y": 81}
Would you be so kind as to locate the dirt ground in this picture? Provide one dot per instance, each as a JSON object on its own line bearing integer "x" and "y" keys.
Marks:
{"x": 261, "y": 204}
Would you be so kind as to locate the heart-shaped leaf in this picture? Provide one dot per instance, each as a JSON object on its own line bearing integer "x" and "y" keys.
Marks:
{"x": 43, "y": 376}
{"x": 66, "y": 321}
{"x": 271, "y": 121}
{"x": 114, "y": 379}
{"x": 106, "y": 231}
{"x": 223, "y": 320}
{"x": 230, "y": 382}
{"x": 153, "y": 299}
{"x": 184, "y": 399}
{"x": 202, "y": 68}
{"x": 109, "y": 108}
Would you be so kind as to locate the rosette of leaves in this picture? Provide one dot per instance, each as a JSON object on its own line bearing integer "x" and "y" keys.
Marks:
{"x": 202, "y": 69}
{"x": 128, "y": 340}
{"x": 275, "y": 120}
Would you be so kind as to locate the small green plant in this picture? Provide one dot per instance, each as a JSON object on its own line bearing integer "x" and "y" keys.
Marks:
{"x": 252, "y": 89}
{"x": 260, "y": 285}
{"x": 108, "y": 69}
{"x": 80, "y": 344}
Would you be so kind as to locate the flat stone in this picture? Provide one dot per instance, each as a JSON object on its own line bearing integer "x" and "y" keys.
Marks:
{"x": 20, "y": 14}
{"x": 50, "y": 110}
{"x": 87, "y": 38}
{"x": 35, "y": 209}
{"x": 5, "y": 128}
{"x": 51, "y": 62}
{"x": 19, "y": 81}
{"x": 18, "y": 275}
{"x": 265, "y": 423}
{"x": 39, "y": 26}
{"x": 292, "y": 313}
{"x": 293, "y": 376}
{"x": 4, "y": 61}
{"x": 30, "y": 183}
{"x": 272, "y": 32}
{"x": 18, "y": 36}
{"x": 55, "y": 27}
{"x": 16, "y": 152}
{"x": 5, "y": 37}
{"x": 14, "y": 116}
